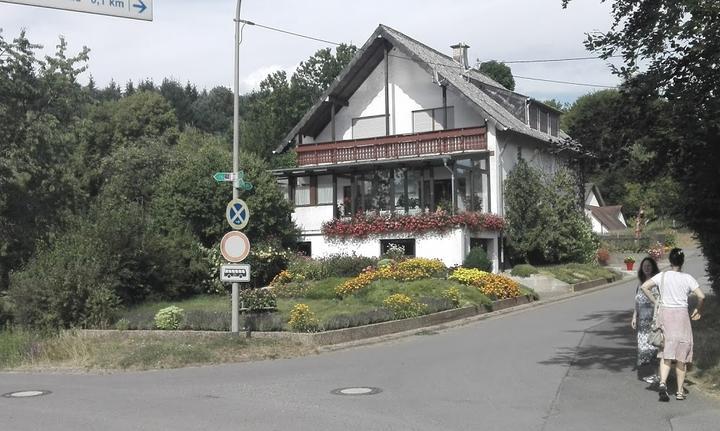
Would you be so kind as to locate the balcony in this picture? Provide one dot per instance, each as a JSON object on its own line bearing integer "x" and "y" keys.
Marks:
{"x": 393, "y": 147}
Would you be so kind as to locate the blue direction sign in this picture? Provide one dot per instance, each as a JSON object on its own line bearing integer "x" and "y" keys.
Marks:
{"x": 237, "y": 214}
{"x": 135, "y": 9}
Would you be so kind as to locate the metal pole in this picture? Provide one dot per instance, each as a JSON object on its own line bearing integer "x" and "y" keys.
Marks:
{"x": 236, "y": 148}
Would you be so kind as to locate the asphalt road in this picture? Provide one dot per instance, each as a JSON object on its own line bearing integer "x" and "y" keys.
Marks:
{"x": 562, "y": 366}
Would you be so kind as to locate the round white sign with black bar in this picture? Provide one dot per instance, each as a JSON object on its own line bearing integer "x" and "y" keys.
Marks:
{"x": 235, "y": 246}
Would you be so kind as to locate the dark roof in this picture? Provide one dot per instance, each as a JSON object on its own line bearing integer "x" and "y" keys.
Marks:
{"x": 490, "y": 98}
{"x": 608, "y": 216}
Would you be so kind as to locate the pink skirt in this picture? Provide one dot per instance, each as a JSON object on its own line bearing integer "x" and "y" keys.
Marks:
{"x": 678, "y": 334}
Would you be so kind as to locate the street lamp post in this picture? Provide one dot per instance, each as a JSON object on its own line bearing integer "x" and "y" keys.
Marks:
{"x": 236, "y": 148}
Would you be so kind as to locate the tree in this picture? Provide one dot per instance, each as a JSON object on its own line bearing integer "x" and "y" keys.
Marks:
{"x": 677, "y": 45}
{"x": 500, "y": 72}
{"x": 525, "y": 194}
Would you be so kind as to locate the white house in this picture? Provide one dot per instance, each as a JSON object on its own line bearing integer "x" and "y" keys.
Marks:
{"x": 604, "y": 218}
{"x": 406, "y": 130}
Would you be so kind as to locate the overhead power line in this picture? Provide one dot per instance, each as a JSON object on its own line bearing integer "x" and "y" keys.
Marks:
{"x": 304, "y": 36}
{"x": 552, "y": 60}
{"x": 564, "y": 82}
{"x": 289, "y": 32}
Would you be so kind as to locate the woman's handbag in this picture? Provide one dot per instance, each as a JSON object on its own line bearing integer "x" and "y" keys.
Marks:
{"x": 657, "y": 336}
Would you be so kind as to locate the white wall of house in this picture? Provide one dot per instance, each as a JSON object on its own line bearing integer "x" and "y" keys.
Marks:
{"x": 592, "y": 200}
{"x": 450, "y": 247}
{"x": 310, "y": 218}
{"x": 411, "y": 89}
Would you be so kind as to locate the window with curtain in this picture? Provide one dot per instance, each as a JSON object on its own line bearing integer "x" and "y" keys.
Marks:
{"x": 302, "y": 191}
{"x": 324, "y": 189}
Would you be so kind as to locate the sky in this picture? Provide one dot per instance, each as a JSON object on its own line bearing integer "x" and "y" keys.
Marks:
{"x": 192, "y": 41}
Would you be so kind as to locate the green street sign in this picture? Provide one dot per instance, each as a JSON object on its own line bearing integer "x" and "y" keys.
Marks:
{"x": 224, "y": 176}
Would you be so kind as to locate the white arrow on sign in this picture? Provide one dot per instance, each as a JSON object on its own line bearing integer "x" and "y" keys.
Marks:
{"x": 135, "y": 9}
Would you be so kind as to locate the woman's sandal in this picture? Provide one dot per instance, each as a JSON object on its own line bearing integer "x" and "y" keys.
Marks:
{"x": 680, "y": 396}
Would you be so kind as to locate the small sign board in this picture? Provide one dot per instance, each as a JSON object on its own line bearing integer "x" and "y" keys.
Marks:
{"x": 224, "y": 176}
{"x": 135, "y": 9}
{"x": 235, "y": 246}
{"x": 235, "y": 273}
{"x": 237, "y": 214}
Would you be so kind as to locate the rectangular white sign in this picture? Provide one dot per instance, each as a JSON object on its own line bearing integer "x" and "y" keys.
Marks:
{"x": 135, "y": 9}
{"x": 235, "y": 273}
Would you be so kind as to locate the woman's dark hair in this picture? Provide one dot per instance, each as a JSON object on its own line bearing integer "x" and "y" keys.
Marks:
{"x": 641, "y": 273}
{"x": 677, "y": 257}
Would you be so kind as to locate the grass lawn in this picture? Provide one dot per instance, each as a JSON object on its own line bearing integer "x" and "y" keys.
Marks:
{"x": 572, "y": 273}
{"x": 213, "y": 312}
{"x": 24, "y": 350}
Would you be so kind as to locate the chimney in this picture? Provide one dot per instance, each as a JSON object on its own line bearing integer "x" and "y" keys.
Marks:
{"x": 460, "y": 54}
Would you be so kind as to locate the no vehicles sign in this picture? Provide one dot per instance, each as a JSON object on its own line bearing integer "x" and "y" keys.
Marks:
{"x": 235, "y": 246}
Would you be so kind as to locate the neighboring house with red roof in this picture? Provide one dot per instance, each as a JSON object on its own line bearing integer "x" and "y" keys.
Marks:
{"x": 605, "y": 219}
{"x": 405, "y": 131}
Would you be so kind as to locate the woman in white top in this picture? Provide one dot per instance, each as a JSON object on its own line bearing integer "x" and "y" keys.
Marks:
{"x": 675, "y": 286}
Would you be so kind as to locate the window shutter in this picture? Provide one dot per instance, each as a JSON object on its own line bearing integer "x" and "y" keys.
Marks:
{"x": 368, "y": 127}
{"x": 422, "y": 121}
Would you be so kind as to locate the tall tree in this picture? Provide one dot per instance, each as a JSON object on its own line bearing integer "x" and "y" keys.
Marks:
{"x": 677, "y": 45}
{"x": 500, "y": 72}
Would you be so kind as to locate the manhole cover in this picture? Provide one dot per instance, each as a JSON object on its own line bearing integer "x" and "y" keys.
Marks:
{"x": 356, "y": 391}
{"x": 26, "y": 394}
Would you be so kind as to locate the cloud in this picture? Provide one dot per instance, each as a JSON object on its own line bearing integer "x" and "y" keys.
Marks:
{"x": 251, "y": 81}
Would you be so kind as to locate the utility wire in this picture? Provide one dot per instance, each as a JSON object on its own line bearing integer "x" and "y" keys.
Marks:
{"x": 288, "y": 32}
{"x": 552, "y": 60}
{"x": 446, "y": 65}
{"x": 564, "y": 82}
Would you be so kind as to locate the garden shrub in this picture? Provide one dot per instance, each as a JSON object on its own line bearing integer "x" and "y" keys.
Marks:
{"x": 169, "y": 318}
{"x": 343, "y": 265}
{"x": 524, "y": 270}
{"x": 492, "y": 285}
{"x": 122, "y": 324}
{"x": 384, "y": 262}
{"x": 266, "y": 261}
{"x": 407, "y": 270}
{"x": 403, "y": 306}
{"x": 286, "y": 276}
{"x": 258, "y": 299}
{"x": 395, "y": 252}
{"x": 302, "y": 319}
{"x": 477, "y": 258}
{"x": 453, "y": 295}
{"x": 311, "y": 269}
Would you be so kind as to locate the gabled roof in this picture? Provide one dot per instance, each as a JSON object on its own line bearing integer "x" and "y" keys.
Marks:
{"x": 590, "y": 188}
{"x": 608, "y": 216}
{"x": 480, "y": 91}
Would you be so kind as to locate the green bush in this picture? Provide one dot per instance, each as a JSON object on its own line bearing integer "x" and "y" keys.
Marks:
{"x": 311, "y": 269}
{"x": 267, "y": 261}
{"x": 403, "y": 306}
{"x": 122, "y": 324}
{"x": 524, "y": 270}
{"x": 384, "y": 262}
{"x": 302, "y": 319}
{"x": 6, "y": 313}
{"x": 477, "y": 258}
{"x": 169, "y": 318}
{"x": 453, "y": 295}
{"x": 258, "y": 299}
{"x": 343, "y": 265}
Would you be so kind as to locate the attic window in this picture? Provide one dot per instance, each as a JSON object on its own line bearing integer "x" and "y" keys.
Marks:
{"x": 533, "y": 114}
{"x": 553, "y": 124}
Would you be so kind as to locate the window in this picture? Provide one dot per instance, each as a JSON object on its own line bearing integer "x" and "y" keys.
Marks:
{"x": 553, "y": 124}
{"x": 533, "y": 116}
{"x": 324, "y": 190}
{"x": 302, "y": 191}
{"x": 284, "y": 186}
{"x": 407, "y": 244}
{"x": 304, "y": 248}
{"x": 368, "y": 127}
{"x": 428, "y": 120}
{"x": 543, "y": 121}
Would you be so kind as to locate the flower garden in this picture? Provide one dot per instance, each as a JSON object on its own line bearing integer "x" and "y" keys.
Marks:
{"x": 341, "y": 292}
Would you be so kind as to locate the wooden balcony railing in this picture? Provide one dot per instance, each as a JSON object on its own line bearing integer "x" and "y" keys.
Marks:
{"x": 393, "y": 147}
